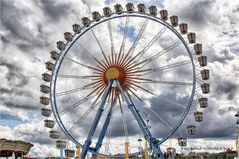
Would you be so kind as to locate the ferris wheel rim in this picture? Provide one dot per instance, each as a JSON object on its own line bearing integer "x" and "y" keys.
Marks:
{"x": 85, "y": 30}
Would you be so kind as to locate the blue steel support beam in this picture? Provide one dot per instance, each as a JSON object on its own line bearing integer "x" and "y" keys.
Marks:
{"x": 103, "y": 131}
{"x": 96, "y": 121}
{"x": 147, "y": 134}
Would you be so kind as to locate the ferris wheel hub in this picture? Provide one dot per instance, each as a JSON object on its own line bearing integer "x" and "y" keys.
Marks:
{"x": 115, "y": 72}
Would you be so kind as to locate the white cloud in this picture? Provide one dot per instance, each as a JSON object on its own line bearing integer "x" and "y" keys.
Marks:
{"x": 27, "y": 41}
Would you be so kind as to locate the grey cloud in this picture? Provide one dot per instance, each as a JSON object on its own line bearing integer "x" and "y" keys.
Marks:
{"x": 15, "y": 76}
{"x": 198, "y": 13}
{"x": 53, "y": 9}
{"x": 227, "y": 87}
{"x": 15, "y": 105}
{"x": 12, "y": 20}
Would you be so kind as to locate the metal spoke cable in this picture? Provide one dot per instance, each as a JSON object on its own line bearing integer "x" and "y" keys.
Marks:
{"x": 149, "y": 44}
{"x": 145, "y": 80}
{"x": 74, "y": 106}
{"x": 170, "y": 100}
{"x": 111, "y": 42}
{"x": 86, "y": 87}
{"x": 77, "y": 77}
{"x": 81, "y": 64}
{"x": 83, "y": 117}
{"x": 139, "y": 36}
{"x": 93, "y": 57}
{"x": 162, "y": 52}
{"x": 83, "y": 100}
{"x": 102, "y": 51}
{"x": 158, "y": 69}
{"x": 122, "y": 47}
{"x": 154, "y": 57}
{"x": 170, "y": 127}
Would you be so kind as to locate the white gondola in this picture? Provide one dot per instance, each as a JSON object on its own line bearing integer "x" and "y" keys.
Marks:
{"x": 205, "y": 88}
{"x": 164, "y": 15}
{"x": 107, "y": 11}
{"x": 68, "y": 36}
{"x": 182, "y": 141}
{"x": 118, "y": 8}
{"x": 86, "y": 21}
{"x": 198, "y": 116}
{"x": 44, "y": 100}
{"x": 203, "y": 102}
{"x": 54, "y": 134}
{"x": 76, "y": 28}
{"x": 96, "y": 16}
{"x": 141, "y": 8}
{"x": 205, "y": 74}
{"x": 54, "y": 55}
{"x": 46, "y": 112}
{"x": 50, "y": 66}
{"x": 171, "y": 152}
{"x": 60, "y": 144}
{"x": 49, "y": 123}
{"x": 130, "y": 7}
{"x": 44, "y": 88}
{"x": 46, "y": 77}
{"x": 198, "y": 49}
{"x": 153, "y": 10}
{"x": 174, "y": 20}
{"x": 191, "y": 129}
{"x": 202, "y": 61}
{"x": 69, "y": 153}
{"x": 183, "y": 28}
{"x": 60, "y": 45}
{"x": 191, "y": 38}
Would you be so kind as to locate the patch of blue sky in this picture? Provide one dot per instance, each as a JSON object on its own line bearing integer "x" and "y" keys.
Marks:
{"x": 10, "y": 120}
{"x": 35, "y": 116}
{"x": 130, "y": 33}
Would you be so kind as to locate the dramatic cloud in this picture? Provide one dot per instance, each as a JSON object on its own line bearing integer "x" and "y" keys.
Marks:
{"x": 29, "y": 31}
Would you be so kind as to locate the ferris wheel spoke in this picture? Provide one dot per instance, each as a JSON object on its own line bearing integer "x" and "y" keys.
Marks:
{"x": 169, "y": 100}
{"x": 111, "y": 43}
{"x": 86, "y": 66}
{"x": 158, "y": 116}
{"x": 135, "y": 43}
{"x": 86, "y": 87}
{"x": 171, "y": 83}
{"x": 147, "y": 46}
{"x": 158, "y": 69}
{"x": 146, "y": 80}
{"x": 154, "y": 57}
{"x": 82, "y": 118}
{"x": 128, "y": 87}
{"x": 93, "y": 57}
{"x": 101, "y": 48}
{"x": 99, "y": 93}
{"x": 75, "y": 105}
{"x": 122, "y": 47}
{"x": 139, "y": 87}
{"x": 79, "y": 77}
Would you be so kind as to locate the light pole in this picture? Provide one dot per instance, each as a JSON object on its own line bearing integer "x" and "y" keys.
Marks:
{"x": 237, "y": 140}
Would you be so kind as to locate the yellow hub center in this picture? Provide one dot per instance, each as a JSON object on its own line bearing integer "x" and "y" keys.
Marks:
{"x": 112, "y": 73}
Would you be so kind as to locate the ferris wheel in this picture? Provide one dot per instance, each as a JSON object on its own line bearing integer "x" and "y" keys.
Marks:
{"x": 120, "y": 75}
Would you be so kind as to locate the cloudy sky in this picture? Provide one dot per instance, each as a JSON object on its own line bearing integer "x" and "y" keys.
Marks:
{"x": 30, "y": 29}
